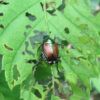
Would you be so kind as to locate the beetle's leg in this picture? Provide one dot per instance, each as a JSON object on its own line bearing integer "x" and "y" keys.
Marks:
{"x": 33, "y": 61}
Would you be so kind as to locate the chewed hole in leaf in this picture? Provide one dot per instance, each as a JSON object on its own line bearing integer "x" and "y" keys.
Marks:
{"x": 3, "y": 2}
{"x": 26, "y": 49}
{"x": 64, "y": 42}
{"x": 30, "y": 16}
{"x": 16, "y": 73}
{"x": 42, "y": 5}
{"x": 23, "y": 52}
{"x": 37, "y": 93}
{"x": 25, "y": 34}
{"x": 47, "y": 6}
{"x": 1, "y": 14}
{"x": 37, "y": 38}
{"x": 32, "y": 61}
{"x": 28, "y": 26}
{"x": 62, "y": 6}
{"x": 1, "y": 26}
{"x": 51, "y": 12}
{"x": 66, "y": 30}
{"x": 8, "y": 47}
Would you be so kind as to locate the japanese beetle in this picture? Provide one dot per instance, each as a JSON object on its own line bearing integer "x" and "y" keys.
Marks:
{"x": 50, "y": 50}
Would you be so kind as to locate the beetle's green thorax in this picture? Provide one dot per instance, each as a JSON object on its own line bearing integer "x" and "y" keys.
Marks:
{"x": 48, "y": 39}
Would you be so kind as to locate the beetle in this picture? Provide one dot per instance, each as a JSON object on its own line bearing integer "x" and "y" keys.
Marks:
{"x": 49, "y": 51}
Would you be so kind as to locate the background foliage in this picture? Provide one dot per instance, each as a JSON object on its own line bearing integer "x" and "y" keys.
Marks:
{"x": 24, "y": 22}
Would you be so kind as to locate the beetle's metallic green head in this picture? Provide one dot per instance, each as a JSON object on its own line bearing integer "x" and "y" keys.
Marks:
{"x": 47, "y": 39}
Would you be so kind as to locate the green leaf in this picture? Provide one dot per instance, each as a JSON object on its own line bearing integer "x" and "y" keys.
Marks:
{"x": 31, "y": 93}
{"x": 0, "y": 63}
{"x": 96, "y": 83}
{"x": 24, "y": 22}
{"x": 13, "y": 36}
{"x": 1, "y": 96}
{"x": 78, "y": 94}
{"x": 55, "y": 98}
{"x": 5, "y": 92}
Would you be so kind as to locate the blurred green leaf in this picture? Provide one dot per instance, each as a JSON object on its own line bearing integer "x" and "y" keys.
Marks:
{"x": 5, "y": 92}
{"x": 55, "y": 98}
{"x": 24, "y": 22}
{"x": 96, "y": 83}
{"x": 0, "y": 63}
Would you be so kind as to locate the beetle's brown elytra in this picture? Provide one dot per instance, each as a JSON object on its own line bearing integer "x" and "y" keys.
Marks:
{"x": 50, "y": 51}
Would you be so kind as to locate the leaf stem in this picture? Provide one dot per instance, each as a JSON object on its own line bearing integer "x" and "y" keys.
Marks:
{"x": 53, "y": 80}
{"x": 45, "y": 16}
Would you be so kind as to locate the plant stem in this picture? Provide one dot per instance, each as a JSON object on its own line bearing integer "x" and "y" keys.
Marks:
{"x": 53, "y": 80}
{"x": 45, "y": 16}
